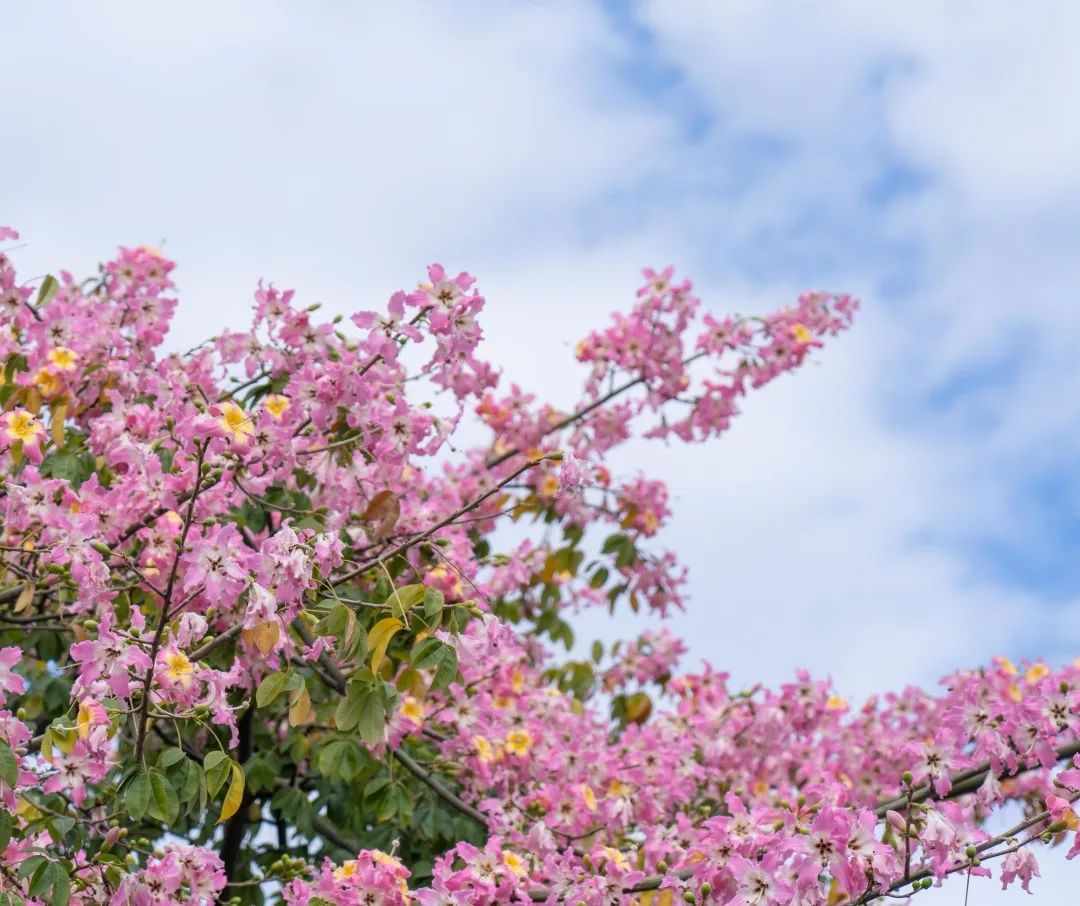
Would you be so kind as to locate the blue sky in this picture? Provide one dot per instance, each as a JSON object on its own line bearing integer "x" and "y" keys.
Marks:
{"x": 906, "y": 506}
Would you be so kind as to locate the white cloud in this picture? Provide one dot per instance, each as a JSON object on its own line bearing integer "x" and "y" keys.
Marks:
{"x": 339, "y": 149}
{"x": 347, "y": 146}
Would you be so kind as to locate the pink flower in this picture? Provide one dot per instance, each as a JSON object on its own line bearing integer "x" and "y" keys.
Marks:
{"x": 21, "y": 429}
{"x": 1021, "y": 864}
{"x": 9, "y": 680}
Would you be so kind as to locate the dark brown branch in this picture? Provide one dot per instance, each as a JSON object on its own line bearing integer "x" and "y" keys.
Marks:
{"x": 967, "y": 781}
{"x": 423, "y": 536}
{"x": 232, "y": 840}
{"x": 163, "y": 621}
{"x": 583, "y": 411}
{"x": 338, "y": 682}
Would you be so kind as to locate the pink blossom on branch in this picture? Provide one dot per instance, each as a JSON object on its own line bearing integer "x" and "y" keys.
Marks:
{"x": 264, "y": 581}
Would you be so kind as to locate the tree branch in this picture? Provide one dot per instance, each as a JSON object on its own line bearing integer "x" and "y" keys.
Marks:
{"x": 423, "y": 536}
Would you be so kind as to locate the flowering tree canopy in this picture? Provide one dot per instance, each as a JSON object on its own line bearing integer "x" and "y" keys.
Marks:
{"x": 265, "y": 636}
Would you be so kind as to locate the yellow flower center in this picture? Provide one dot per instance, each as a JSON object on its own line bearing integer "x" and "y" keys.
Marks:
{"x": 1036, "y": 672}
{"x": 483, "y": 749}
{"x": 386, "y": 859}
{"x": 619, "y": 858}
{"x": 276, "y": 404}
{"x": 178, "y": 669}
{"x": 85, "y": 720}
{"x": 345, "y": 870}
{"x": 21, "y": 425}
{"x": 549, "y": 487}
{"x": 590, "y": 797}
{"x": 48, "y": 383}
{"x": 412, "y": 709}
{"x": 514, "y": 862}
{"x": 63, "y": 358}
{"x": 518, "y": 742}
{"x": 235, "y": 421}
{"x": 801, "y": 334}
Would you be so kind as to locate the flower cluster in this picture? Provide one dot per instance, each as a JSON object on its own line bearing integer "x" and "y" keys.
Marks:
{"x": 261, "y": 584}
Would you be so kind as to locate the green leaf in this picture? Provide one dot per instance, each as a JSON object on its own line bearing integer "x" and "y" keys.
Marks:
{"x": 164, "y": 803}
{"x": 61, "y": 887}
{"x": 437, "y": 654}
{"x": 51, "y": 876}
{"x": 404, "y": 599}
{"x": 171, "y": 756}
{"x": 270, "y": 688}
{"x": 613, "y": 542}
{"x": 61, "y": 827}
{"x": 9, "y": 765}
{"x": 388, "y": 804}
{"x": 434, "y": 601}
{"x": 335, "y": 621}
{"x": 49, "y": 288}
{"x": 185, "y": 777}
{"x": 329, "y": 757}
{"x": 372, "y": 721}
{"x": 375, "y": 785}
{"x": 5, "y": 829}
{"x": 341, "y": 623}
{"x": 137, "y": 796}
{"x": 347, "y": 714}
{"x": 41, "y": 880}
{"x": 426, "y": 653}
{"x": 216, "y": 769}
{"x": 446, "y": 669}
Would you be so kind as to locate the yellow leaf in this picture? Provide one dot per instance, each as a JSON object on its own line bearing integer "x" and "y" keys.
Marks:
{"x": 26, "y": 596}
{"x": 64, "y": 738}
{"x": 349, "y": 637}
{"x": 412, "y": 682}
{"x": 384, "y": 510}
{"x": 300, "y": 707}
{"x": 264, "y": 635}
{"x": 56, "y": 426}
{"x": 379, "y": 637}
{"x": 235, "y": 795}
{"x": 26, "y": 809}
{"x": 638, "y": 708}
